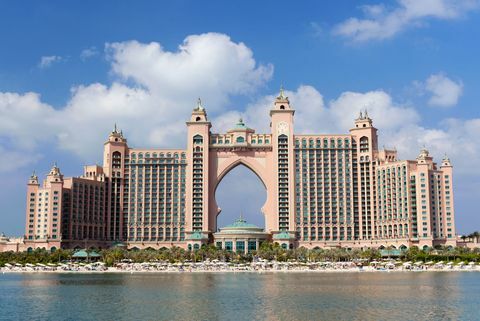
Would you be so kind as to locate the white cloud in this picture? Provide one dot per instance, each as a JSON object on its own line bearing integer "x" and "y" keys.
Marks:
{"x": 88, "y": 53}
{"x": 47, "y": 61}
{"x": 445, "y": 92}
{"x": 312, "y": 115}
{"x": 12, "y": 159}
{"x": 209, "y": 65}
{"x": 24, "y": 120}
{"x": 399, "y": 125}
{"x": 382, "y": 23}
{"x": 152, "y": 106}
{"x": 152, "y": 109}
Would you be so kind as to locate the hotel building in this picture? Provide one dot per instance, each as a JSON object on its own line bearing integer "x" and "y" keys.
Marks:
{"x": 322, "y": 191}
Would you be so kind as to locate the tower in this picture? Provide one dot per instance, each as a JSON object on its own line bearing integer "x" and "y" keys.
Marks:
{"x": 198, "y": 135}
{"x": 32, "y": 190}
{"x": 115, "y": 152}
{"x": 448, "y": 209}
{"x": 281, "y": 126}
{"x": 365, "y": 149}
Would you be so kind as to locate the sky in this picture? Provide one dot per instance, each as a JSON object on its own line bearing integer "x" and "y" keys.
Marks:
{"x": 70, "y": 70}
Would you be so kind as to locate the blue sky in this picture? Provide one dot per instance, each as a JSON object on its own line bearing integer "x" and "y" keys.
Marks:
{"x": 414, "y": 64}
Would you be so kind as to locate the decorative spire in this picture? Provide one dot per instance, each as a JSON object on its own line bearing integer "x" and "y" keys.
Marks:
{"x": 361, "y": 115}
{"x": 445, "y": 158}
{"x": 366, "y": 113}
{"x": 33, "y": 177}
{"x": 423, "y": 153}
{"x": 55, "y": 164}
{"x": 281, "y": 96}
{"x": 199, "y": 105}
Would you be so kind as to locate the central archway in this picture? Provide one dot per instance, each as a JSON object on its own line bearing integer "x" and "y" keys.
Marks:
{"x": 222, "y": 162}
{"x": 240, "y": 192}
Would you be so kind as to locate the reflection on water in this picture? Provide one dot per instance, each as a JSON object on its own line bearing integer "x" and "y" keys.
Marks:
{"x": 241, "y": 296}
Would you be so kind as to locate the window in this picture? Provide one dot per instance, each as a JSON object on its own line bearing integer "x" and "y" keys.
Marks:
{"x": 240, "y": 246}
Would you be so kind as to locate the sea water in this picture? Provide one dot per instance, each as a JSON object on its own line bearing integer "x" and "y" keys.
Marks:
{"x": 241, "y": 296}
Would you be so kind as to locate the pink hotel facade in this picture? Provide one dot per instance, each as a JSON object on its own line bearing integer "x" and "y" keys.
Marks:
{"x": 322, "y": 191}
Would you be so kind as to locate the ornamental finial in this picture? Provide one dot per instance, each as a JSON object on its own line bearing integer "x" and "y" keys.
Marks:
{"x": 282, "y": 94}
{"x": 199, "y": 104}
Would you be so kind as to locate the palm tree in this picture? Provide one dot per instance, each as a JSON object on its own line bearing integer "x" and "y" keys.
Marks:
{"x": 476, "y": 235}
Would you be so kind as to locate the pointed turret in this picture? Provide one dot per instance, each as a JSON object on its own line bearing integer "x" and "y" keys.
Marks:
{"x": 424, "y": 157}
{"x": 199, "y": 114}
{"x": 446, "y": 161}
{"x": 363, "y": 120}
{"x": 54, "y": 176}
{"x": 281, "y": 96}
{"x": 116, "y": 135}
{"x": 33, "y": 180}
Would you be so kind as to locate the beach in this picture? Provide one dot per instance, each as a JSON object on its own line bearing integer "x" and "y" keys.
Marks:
{"x": 255, "y": 267}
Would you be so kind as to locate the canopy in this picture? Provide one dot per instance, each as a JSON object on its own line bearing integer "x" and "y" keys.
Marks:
{"x": 82, "y": 254}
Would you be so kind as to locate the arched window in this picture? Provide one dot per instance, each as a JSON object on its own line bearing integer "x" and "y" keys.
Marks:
{"x": 282, "y": 107}
{"x": 197, "y": 139}
{"x": 240, "y": 139}
{"x": 364, "y": 144}
{"x": 196, "y": 246}
{"x": 198, "y": 119}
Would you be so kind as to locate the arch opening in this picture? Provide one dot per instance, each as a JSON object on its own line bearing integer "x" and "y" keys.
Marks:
{"x": 240, "y": 191}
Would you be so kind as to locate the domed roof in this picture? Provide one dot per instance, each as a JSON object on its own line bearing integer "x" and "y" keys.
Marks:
{"x": 240, "y": 228}
{"x": 241, "y": 224}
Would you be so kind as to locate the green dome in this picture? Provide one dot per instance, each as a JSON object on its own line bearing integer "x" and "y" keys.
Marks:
{"x": 241, "y": 125}
{"x": 240, "y": 223}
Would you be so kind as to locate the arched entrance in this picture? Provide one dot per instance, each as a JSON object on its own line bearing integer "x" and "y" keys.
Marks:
{"x": 223, "y": 161}
{"x": 240, "y": 193}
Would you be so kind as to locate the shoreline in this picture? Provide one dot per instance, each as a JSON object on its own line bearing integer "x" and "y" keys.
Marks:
{"x": 119, "y": 271}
